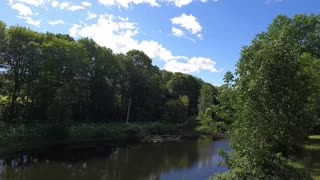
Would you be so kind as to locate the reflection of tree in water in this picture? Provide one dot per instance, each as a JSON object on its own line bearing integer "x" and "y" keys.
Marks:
{"x": 143, "y": 161}
{"x": 149, "y": 160}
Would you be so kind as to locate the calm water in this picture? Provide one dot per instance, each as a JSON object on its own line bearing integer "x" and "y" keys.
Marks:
{"x": 187, "y": 160}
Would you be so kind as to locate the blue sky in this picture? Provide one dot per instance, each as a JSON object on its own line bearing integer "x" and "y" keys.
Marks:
{"x": 200, "y": 37}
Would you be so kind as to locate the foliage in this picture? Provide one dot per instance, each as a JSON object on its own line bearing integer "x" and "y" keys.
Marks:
{"x": 52, "y": 78}
{"x": 225, "y": 108}
{"x": 275, "y": 101}
{"x": 177, "y": 110}
{"x": 113, "y": 133}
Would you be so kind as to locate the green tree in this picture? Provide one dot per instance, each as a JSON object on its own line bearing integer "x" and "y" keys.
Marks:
{"x": 176, "y": 110}
{"x": 102, "y": 70}
{"x": 206, "y": 115}
{"x": 19, "y": 51}
{"x": 225, "y": 109}
{"x": 185, "y": 85}
{"x": 273, "y": 103}
{"x": 143, "y": 86}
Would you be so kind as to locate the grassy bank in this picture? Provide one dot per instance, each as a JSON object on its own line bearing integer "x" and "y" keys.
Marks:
{"x": 28, "y": 136}
{"x": 312, "y": 148}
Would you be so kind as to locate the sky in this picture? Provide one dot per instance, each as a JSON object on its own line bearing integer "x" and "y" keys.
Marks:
{"x": 199, "y": 37}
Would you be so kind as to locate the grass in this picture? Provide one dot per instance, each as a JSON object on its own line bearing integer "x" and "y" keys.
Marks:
{"x": 313, "y": 156}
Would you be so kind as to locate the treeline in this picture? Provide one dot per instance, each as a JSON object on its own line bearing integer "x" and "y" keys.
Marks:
{"x": 276, "y": 100}
{"x": 53, "y": 78}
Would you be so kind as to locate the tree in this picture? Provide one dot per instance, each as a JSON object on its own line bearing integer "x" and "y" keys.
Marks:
{"x": 143, "y": 81}
{"x": 176, "y": 110}
{"x": 19, "y": 53}
{"x": 183, "y": 84}
{"x": 206, "y": 115}
{"x": 103, "y": 78}
{"x": 225, "y": 109}
{"x": 273, "y": 103}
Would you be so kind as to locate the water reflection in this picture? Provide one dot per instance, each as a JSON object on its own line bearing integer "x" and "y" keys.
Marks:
{"x": 169, "y": 160}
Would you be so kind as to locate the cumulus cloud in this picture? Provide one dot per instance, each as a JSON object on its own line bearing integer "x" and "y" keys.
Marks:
{"x": 65, "y": 5}
{"x": 155, "y": 50}
{"x": 68, "y": 6}
{"x": 91, "y": 15}
{"x": 195, "y": 64}
{"x": 33, "y": 2}
{"x": 22, "y": 9}
{"x": 188, "y": 25}
{"x": 54, "y": 3}
{"x": 126, "y": 3}
{"x": 73, "y": 31}
{"x": 188, "y": 22}
{"x": 200, "y": 36}
{"x": 30, "y": 20}
{"x": 118, "y": 33}
{"x": 179, "y": 3}
{"x": 87, "y": 4}
{"x": 177, "y": 32}
{"x": 25, "y": 13}
{"x": 75, "y": 8}
{"x": 60, "y": 21}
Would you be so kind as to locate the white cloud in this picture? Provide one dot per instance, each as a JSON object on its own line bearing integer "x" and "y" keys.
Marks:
{"x": 188, "y": 22}
{"x": 54, "y": 3}
{"x": 75, "y": 8}
{"x": 25, "y": 13}
{"x": 91, "y": 15}
{"x": 155, "y": 50}
{"x": 125, "y": 3}
{"x": 67, "y": 5}
{"x": 22, "y": 9}
{"x": 200, "y": 36}
{"x": 56, "y": 22}
{"x": 118, "y": 33}
{"x": 179, "y": 3}
{"x": 31, "y": 21}
{"x": 74, "y": 30}
{"x": 87, "y": 4}
{"x": 33, "y": 2}
{"x": 195, "y": 64}
{"x": 177, "y": 32}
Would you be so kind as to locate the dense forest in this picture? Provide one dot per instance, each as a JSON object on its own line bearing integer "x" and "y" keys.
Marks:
{"x": 269, "y": 106}
{"x": 54, "y": 79}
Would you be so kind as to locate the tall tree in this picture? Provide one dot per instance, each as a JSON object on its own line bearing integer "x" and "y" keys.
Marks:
{"x": 225, "y": 109}
{"x": 18, "y": 56}
{"x": 273, "y": 113}
{"x": 207, "y": 98}
{"x": 186, "y": 85}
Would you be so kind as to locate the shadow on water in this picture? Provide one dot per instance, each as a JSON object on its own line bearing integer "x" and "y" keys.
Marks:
{"x": 192, "y": 159}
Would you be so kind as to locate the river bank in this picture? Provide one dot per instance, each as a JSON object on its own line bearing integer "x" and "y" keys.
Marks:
{"x": 26, "y": 137}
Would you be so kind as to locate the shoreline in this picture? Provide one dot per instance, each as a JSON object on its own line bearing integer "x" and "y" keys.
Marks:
{"x": 105, "y": 134}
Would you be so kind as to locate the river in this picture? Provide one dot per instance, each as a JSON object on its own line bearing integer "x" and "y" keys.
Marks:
{"x": 183, "y": 160}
